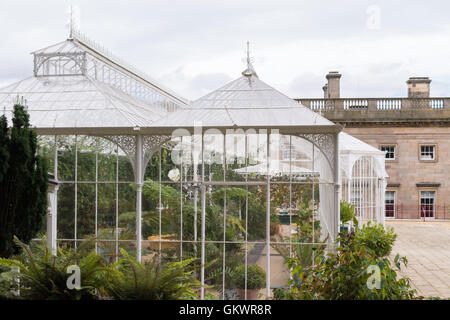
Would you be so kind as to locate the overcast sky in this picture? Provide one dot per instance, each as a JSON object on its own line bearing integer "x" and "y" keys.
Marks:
{"x": 194, "y": 47}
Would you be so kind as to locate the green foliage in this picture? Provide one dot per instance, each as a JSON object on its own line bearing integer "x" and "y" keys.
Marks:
{"x": 44, "y": 276}
{"x": 256, "y": 277}
{"x": 302, "y": 253}
{"x": 305, "y": 224}
{"x": 152, "y": 172}
{"x": 4, "y": 147}
{"x": 23, "y": 183}
{"x": 347, "y": 212}
{"x": 375, "y": 239}
{"x": 233, "y": 193}
{"x": 343, "y": 275}
{"x": 106, "y": 196}
{"x": 131, "y": 280}
{"x": 256, "y": 217}
{"x": 210, "y": 296}
{"x": 7, "y": 283}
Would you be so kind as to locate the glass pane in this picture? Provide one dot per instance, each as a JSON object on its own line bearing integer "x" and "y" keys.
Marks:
{"x": 46, "y": 148}
{"x": 66, "y": 158}
{"x": 86, "y": 147}
{"x": 256, "y": 157}
{"x": 214, "y": 215}
{"x": 257, "y": 213}
{"x": 107, "y": 160}
{"x": 127, "y": 211}
{"x": 125, "y": 168}
{"x": 66, "y": 211}
{"x": 106, "y": 211}
{"x": 279, "y": 271}
{"x": 85, "y": 211}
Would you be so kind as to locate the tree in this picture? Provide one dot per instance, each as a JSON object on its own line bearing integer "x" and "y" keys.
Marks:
{"x": 23, "y": 182}
{"x": 4, "y": 145}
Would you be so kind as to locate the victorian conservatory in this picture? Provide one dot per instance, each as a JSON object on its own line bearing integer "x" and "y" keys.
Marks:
{"x": 231, "y": 178}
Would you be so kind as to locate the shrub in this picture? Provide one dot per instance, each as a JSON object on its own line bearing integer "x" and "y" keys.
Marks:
{"x": 44, "y": 276}
{"x": 344, "y": 275}
{"x": 7, "y": 283}
{"x": 129, "y": 279}
{"x": 256, "y": 277}
{"x": 375, "y": 239}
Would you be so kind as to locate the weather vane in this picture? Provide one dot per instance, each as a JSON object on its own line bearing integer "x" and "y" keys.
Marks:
{"x": 250, "y": 71}
{"x": 72, "y": 23}
{"x": 248, "y": 54}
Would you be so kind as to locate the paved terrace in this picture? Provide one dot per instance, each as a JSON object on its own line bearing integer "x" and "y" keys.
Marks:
{"x": 426, "y": 245}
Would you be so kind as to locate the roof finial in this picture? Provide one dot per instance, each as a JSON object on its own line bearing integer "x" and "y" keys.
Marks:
{"x": 70, "y": 22}
{"x": 73, "y": 13}
{"x": 249, "y": 71}
{"x": 248, "y": 55}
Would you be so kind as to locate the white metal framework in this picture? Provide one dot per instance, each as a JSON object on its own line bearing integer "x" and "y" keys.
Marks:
{"x": 363, "y": 179}
{"x": 112, "y": 143}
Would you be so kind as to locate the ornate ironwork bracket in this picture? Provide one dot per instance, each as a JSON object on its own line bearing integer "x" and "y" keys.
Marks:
{"x": 62, "y": 64}
{"x": 127, "y": 143}
{"x": 325, "y": 143}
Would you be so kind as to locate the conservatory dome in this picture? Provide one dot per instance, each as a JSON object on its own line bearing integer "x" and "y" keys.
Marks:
{"x": 80, "y": 87}
{"x": 248, "y": 102}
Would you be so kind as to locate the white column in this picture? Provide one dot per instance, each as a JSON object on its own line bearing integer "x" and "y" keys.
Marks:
{"x": 195, "y": 179}
{"x": 202, "y": 271}
{"x": 268, "y": 220}
{"x": 139, "y": 182}
{"x": 52, "y": 212}
{"x": 52, "y": 197}
{"x": 203, "y": 228}
{"x": 337, "y": 190}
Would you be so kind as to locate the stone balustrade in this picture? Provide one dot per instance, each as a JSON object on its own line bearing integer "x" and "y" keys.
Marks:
{"x": 381, "y": 109}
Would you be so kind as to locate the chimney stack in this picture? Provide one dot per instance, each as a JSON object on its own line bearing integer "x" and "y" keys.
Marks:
{"x": 418, "y": 87}
{"x": 333, "y": 86}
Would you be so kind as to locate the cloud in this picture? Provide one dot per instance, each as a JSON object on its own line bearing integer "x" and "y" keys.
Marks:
{"x": 196, "y": 86}
{"x": 193, "y": 46}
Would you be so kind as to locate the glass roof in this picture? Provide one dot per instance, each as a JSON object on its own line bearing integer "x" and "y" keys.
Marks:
{"x": 348, "y": 143}
{"x": 79, "y": 84}
{"x": 245, "y": 102}
{"x": 100, "y": 64}
{"x": 77, "y": 102}
{"x": 245, "y": 92}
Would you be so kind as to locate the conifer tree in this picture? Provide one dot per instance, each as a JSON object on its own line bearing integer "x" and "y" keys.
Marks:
{"x": 23, "y": 182}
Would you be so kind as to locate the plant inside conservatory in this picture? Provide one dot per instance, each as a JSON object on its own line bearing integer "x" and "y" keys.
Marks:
{"x": 129, "y": 279}
{"x": 347, "y": 215}
{"x": 43, "y": 276}
{"x": 255, "y": 278}
{"x": 170, "y": 226}
{"x": 36, "y": 274}
{"x": 23, "y": 182}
